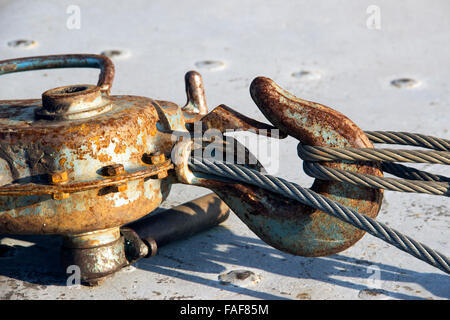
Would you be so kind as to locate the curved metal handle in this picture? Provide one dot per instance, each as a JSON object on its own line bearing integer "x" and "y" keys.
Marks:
{"x": 64, "y": 61}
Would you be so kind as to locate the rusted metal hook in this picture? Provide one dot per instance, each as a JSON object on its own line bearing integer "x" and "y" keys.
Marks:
{"x": 315, "y": 124}
{"x": 286, "y": 224}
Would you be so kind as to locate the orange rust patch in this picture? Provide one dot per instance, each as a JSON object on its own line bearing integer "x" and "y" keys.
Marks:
{"x": 120, "y": 148}
{"x": 104, "y": 157}
{"x": 62, "y": 161}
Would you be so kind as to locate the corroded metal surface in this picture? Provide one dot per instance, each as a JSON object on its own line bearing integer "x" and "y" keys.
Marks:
{"x": 75, "y": 132}
{"x": 314, "y": 124}
{"x": 80, "y": 162}
{"x": 72, "y": 187}
{"x": 91, "y": 239}
{"x": 224, "y": 118}
{"x": 283, "y": 223}
{"x": 33, "y": 148}
{"x": 353, "y": 73}
{"x": 196, "y": 100}
{"x": 97, "y": 254}
{"x": 73, "y": 102}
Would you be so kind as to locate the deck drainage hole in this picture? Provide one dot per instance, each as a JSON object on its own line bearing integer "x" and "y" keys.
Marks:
{"x": 22, "y": 43}
{"x": 306, "y": 75}
{"x": 405, "y": 83}
{"x": 211, "y": 65}
{"x": 115, "y": 54}
{"x": 6, "y": 251}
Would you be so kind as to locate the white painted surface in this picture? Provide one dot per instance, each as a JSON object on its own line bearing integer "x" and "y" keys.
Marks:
{"x": 350, "y": 69}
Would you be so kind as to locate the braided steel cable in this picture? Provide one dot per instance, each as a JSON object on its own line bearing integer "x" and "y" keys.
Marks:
{"x": 316, "y": 153}
{"x": 403, "y": 185}
{"x": 405, "y": 172}
{"x": 411, "y": 139}
{"x": 315, "y": 200}
{"x": 414, "y": 180}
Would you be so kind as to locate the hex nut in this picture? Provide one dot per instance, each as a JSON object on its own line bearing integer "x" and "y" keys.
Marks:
{"x": 60, "y": 196}
{"x": 59, "y": 177}
{"x": 157, "y": 158}
{"x": 121, "y": 187}
{"x": 162, "y": 175}
{"x": 113, "y": 170}
{"x": 154, "y": 158}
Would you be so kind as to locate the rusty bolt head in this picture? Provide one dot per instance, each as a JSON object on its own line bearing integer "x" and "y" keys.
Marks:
{"x": 121, "y": 187}
{"x": 154, "y": 158}
{"x": 113, "y": 170}
{"x": 157, "y": 157}
{"x": 59, "y": 177}
{"x": 146, "y": 158}
{"x": 60, "y": 196}
{"x": 162, "y": 175}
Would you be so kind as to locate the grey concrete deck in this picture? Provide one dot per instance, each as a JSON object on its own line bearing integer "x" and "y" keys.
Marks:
{"x": 350, "y": 67}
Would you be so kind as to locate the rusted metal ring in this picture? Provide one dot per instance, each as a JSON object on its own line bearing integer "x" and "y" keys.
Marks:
{"x": 180, "y": 157}
{"x": 135, "y": 247}
{"x": 152, "y": 247}
{"x": 91, "y": 239}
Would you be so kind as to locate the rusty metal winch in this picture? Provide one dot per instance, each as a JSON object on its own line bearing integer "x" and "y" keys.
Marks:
{"x": 82, "y": 163}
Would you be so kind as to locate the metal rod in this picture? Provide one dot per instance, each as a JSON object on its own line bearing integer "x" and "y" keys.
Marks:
{"x": 181, "y": 221}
